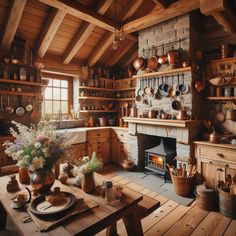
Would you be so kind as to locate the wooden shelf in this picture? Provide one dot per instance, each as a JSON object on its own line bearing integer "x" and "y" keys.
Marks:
{"x": 97, "y": 111}
{"x": 19, "y": 93}
{"x": 125, "y": 89}
{"x": 23, "y": 82}
{"x": 224, "y": 60}
{"x": 96, "y": 98}
{"x": 125, "y": 99}
{"x": 162, "y": 122}
{"x": 95, "y": 88}
{"x": 167, "y": 72}
{"x": 222, "y": 98}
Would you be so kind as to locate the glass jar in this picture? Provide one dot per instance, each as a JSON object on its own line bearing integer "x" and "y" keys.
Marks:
{"x": 22, "y": 74}
{"x": 109, "y": 192}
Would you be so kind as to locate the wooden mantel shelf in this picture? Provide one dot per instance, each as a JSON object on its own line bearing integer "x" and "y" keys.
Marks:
{"x": 162, "y": 122}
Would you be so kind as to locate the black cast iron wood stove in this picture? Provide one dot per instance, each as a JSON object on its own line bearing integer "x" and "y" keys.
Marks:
{"x": 157, "y": 157}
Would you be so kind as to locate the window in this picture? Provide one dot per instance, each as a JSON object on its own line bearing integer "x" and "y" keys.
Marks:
{"x": 57, "y": 95}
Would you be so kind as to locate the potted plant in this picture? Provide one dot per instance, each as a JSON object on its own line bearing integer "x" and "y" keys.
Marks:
{"x": 87, "y": 167}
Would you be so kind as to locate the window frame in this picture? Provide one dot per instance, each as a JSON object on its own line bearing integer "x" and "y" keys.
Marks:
{"x": 70, "y": 91}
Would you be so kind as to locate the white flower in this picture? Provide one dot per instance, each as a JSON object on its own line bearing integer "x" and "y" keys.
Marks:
{"x": 37, "y": 145}
{"x": 37, "y": 163}
{"x": 85, "y": 159}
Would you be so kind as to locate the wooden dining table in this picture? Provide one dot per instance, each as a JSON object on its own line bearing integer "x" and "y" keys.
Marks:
{"x": 103, "y": 216}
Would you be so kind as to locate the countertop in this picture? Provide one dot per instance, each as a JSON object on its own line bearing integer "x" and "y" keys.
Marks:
{"x": 93, "y": 128}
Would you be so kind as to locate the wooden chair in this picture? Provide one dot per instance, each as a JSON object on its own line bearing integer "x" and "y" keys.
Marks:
{"x": 8, "y": 170}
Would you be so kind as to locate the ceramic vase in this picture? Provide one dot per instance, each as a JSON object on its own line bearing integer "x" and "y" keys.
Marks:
{"x": 88, "y": 183}
{"x": 42, "y": 180}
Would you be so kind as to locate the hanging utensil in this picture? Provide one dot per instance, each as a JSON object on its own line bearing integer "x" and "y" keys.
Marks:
{"x": 138, "y": 97}
{"x": 9, "y": 109}
{"x": 220, "y": 116}
{"x": 29, "y": 107}
{"x": 20, "y": 111}
{"x": 1, "y": 106}
{"x": 172, "y": 90}
{"x": 182, "y": 87}
{"x": 163, "y": 58}
{"x": 153, "y": 61}
{"x": 177, "y": 92}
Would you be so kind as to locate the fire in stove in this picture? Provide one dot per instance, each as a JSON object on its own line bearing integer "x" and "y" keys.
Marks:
{"x": 158, "y": 157}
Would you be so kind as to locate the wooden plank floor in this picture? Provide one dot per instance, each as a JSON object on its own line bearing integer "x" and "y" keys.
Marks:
{"x": 173, "y": 219}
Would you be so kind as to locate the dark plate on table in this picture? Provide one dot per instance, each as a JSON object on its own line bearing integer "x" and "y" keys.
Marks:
{"x": 41, "y": 207}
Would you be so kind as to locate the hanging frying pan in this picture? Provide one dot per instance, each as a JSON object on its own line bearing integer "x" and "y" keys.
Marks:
{"x": 153, "y": 61}
{"x": 20, "y": 111}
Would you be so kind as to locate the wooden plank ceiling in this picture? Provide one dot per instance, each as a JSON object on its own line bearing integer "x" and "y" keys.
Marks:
{"x": 83, "y": 31}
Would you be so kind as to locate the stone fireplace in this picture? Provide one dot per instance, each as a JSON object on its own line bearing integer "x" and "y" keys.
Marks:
{"x": 140, "y": 130}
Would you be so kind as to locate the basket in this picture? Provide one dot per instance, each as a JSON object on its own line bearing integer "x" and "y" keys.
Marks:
{"x": 227, "y": 203}
{"x": 206, "y": 198}
{"x": 183, "y": 186}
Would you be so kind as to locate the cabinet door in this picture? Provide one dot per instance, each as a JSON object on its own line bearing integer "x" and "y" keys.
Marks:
{"x": 230, "y": 169}
{"x": 79, "y": 150}
{"x": 92, "y": 147}
{"x": 103, "y": 150}
{"x": 212, "y": 172}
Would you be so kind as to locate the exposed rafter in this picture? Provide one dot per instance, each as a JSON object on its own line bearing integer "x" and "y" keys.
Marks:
{"x": 83, "y": 12}
{"x": 133, "y": 54}
{"x": 163, "y": 3}
{"x": 15, "y": 12}
{"x": 82, "y": 35}
{"x": 221, "y": 11}
{"x": 101, "y": 48}
{"x": 53, "y": 23}
{"x": 120, "y": 53}
{"x": 108, "y": 38}
{"x": 176, "y": 9}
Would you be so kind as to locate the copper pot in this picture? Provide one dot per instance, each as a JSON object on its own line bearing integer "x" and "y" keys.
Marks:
{"x": 133, "y": 112}
{"x": 231, "y": 115}
{"x": 173, "y": 57}
{"x": 182, "y": 115}
{"x": 152, "y": 114}
{"x": 214, "y": 137}
{"x": 139, "y": 63}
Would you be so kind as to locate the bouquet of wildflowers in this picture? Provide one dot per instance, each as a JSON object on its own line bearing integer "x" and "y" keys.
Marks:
{"x": 36, "y": 147}
{"x": 86, "y": 166}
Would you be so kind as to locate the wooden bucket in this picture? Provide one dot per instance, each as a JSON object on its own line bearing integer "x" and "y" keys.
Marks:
{"x": 227, "y": 204}
{"x": 183, "y": 186}
{"x": 205, "y": 198}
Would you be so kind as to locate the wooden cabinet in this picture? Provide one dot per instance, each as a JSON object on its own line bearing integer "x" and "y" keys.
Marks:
{"x": 119, "y": 146}
{"x": 215, "y": 161}
{"x": 99, "y": 142}
{"x": 79, "y": 150}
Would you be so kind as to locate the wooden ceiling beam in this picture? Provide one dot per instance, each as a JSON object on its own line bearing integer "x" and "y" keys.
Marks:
{"x": 83, "y": 12}
{"x": 106, "y": 41}
{"x": 119, "y": 53}
{"x": 176, "y": 9}
{"x": 101, "y": 48}
{"x": 83, "y": 33}
{"x": 161, "y": 3}
{"x": 222, "y": 13}
{"x": 133, "y": 54}
{"x": 16, "y": 9}
{"x": 50, "y": 29}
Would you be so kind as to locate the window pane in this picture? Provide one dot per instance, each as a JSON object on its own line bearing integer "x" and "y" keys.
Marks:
{"x": 56, "y": 107}
{"x": 64, "y": 107}
{"x": 64, "y": 83}
{"x": 56, "y": 83}
{"x": 48, "y": 93}
{"x": 50, "y": 81}
{"x": 48, "y": 107}
{"x": 64, "y": 94}
{"x": 56, "y": 93}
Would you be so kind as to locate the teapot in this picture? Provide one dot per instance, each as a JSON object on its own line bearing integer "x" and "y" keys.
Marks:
{"x": 214, "y": 137}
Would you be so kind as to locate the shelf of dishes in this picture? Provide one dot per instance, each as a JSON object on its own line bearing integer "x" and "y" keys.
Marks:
{"x": 23, "y": 82}
{"x": 96, "y": 98}
{"x": 20, "y": 93}
{"x": 164, "y": 72}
